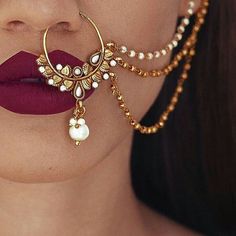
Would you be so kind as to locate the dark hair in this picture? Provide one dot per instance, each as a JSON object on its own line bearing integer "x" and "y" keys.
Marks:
{"x": 188, "y": 170}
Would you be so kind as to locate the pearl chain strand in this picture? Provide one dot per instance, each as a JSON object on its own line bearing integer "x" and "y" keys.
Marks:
{"x": 169, "y": 47}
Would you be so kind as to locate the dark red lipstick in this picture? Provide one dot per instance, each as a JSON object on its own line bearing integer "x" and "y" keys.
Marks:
{"x": 23, "y": 89}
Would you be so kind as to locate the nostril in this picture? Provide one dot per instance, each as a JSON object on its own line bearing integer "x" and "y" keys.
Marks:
{"x": 16, "y": 25}
{"x": 63, "y": 26}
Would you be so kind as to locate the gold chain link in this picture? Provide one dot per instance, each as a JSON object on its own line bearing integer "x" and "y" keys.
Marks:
{"x": 188, "y": 55}
{"x": 79, "y": 109}
{"x": 164, "y": 117}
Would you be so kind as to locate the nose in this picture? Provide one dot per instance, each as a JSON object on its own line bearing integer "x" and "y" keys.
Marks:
{"x": 26, "y": 15}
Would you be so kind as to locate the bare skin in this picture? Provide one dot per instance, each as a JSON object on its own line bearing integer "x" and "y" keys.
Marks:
{"x": 48, "y": 186}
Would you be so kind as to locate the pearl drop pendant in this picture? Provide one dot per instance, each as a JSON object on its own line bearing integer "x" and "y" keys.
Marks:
{"x": 78, "y": 130}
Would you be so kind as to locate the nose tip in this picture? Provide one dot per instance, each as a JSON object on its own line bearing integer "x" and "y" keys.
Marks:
{"x": 27, "y": 15}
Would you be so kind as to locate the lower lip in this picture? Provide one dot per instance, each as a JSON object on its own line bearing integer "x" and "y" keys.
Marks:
{"x": 35, "y": 98}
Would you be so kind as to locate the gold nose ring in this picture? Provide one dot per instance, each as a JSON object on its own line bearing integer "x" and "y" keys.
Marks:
{"x": 79, "y": 79}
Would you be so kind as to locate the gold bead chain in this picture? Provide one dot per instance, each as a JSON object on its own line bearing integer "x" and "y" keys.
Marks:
{"x": 188, "y": 54}
{"x": 164, "y": 117}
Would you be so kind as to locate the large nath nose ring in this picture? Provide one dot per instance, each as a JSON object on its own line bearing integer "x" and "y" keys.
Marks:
{"x": 79, "y": 79}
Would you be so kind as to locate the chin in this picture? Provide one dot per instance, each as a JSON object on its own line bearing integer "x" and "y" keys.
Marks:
{"x": 48, "y": 167}
{"x": 36, "y": 159}
{"x": 54, "y": 165}
{"x": 45, "y": 160}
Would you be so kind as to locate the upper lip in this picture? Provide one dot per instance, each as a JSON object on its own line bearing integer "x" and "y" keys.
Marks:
{"x": 23, "y": 65}
{"x": 34, "y": 98}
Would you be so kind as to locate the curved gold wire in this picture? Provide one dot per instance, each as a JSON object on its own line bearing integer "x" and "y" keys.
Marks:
{"x": 102, "y": 51}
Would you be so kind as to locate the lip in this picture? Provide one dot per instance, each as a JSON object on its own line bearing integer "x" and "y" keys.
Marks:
{"x": 34, "y": 98}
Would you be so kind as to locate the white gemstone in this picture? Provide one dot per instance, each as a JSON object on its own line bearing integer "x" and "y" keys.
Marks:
{"x": 41, "y": 69}
{"x": 79, "y": 134}
{"x": 95, "y": 59}
{"x": 123, "y": 49}
{"x": 81, "y": 121}
{"x": 77, "y": 71}
{"x": 73, "y": 122}
{"x": 113, "y": 63}
{"x": 50, "y": 81}
{"x": 141, "y": 56}
{"x": 63, "y": 88}
{"x": 59, "y": 67}
{"x": 106, "y": 76}
{"x": 95, "y": 85}
{"x": 132, "y": 53}
{"x": 78, "y": 92}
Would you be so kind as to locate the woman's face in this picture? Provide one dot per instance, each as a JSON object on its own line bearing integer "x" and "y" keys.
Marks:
{"x": 37, "y": 148}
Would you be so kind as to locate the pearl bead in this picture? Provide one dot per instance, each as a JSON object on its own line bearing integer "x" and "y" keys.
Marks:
{"x": 190, "y": 11}
{"x": 132, "y": 53}
{"x": 41, "y": 69}
{"x": 157, "y": 54}
{"x": 170, "y": 46}
{"x": 141, "y": 56}
{"x": 113, "y": 63}
{"x": 78, "y": 71}
{"x": 191, "y": 4}
{"x": 63, "y": 88}
{"x": 73, "y": 122}
{"x": 123, "y": 49}
{"x": 59, "y": 67}
{"x": 181, "y": 29}
{"x": 50, "y": 81}
{"x": 178, "y": 36}
{"x": 95, "y": 85}
{"x": 163, "y": 52}
{"x": 186, "y": 21}
{"x": 79, "y": 134}
{"x": 81, "y": 121}
{"x": 149, "y": 55}
{"x": 175, "y": 43}
{"x": 106, "y": 76}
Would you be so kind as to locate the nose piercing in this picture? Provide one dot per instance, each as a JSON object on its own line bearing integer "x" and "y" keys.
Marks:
{"x": 78, "y": 80}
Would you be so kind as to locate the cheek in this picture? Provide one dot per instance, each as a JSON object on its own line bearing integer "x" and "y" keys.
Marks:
{"x": 139, "y": 24}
